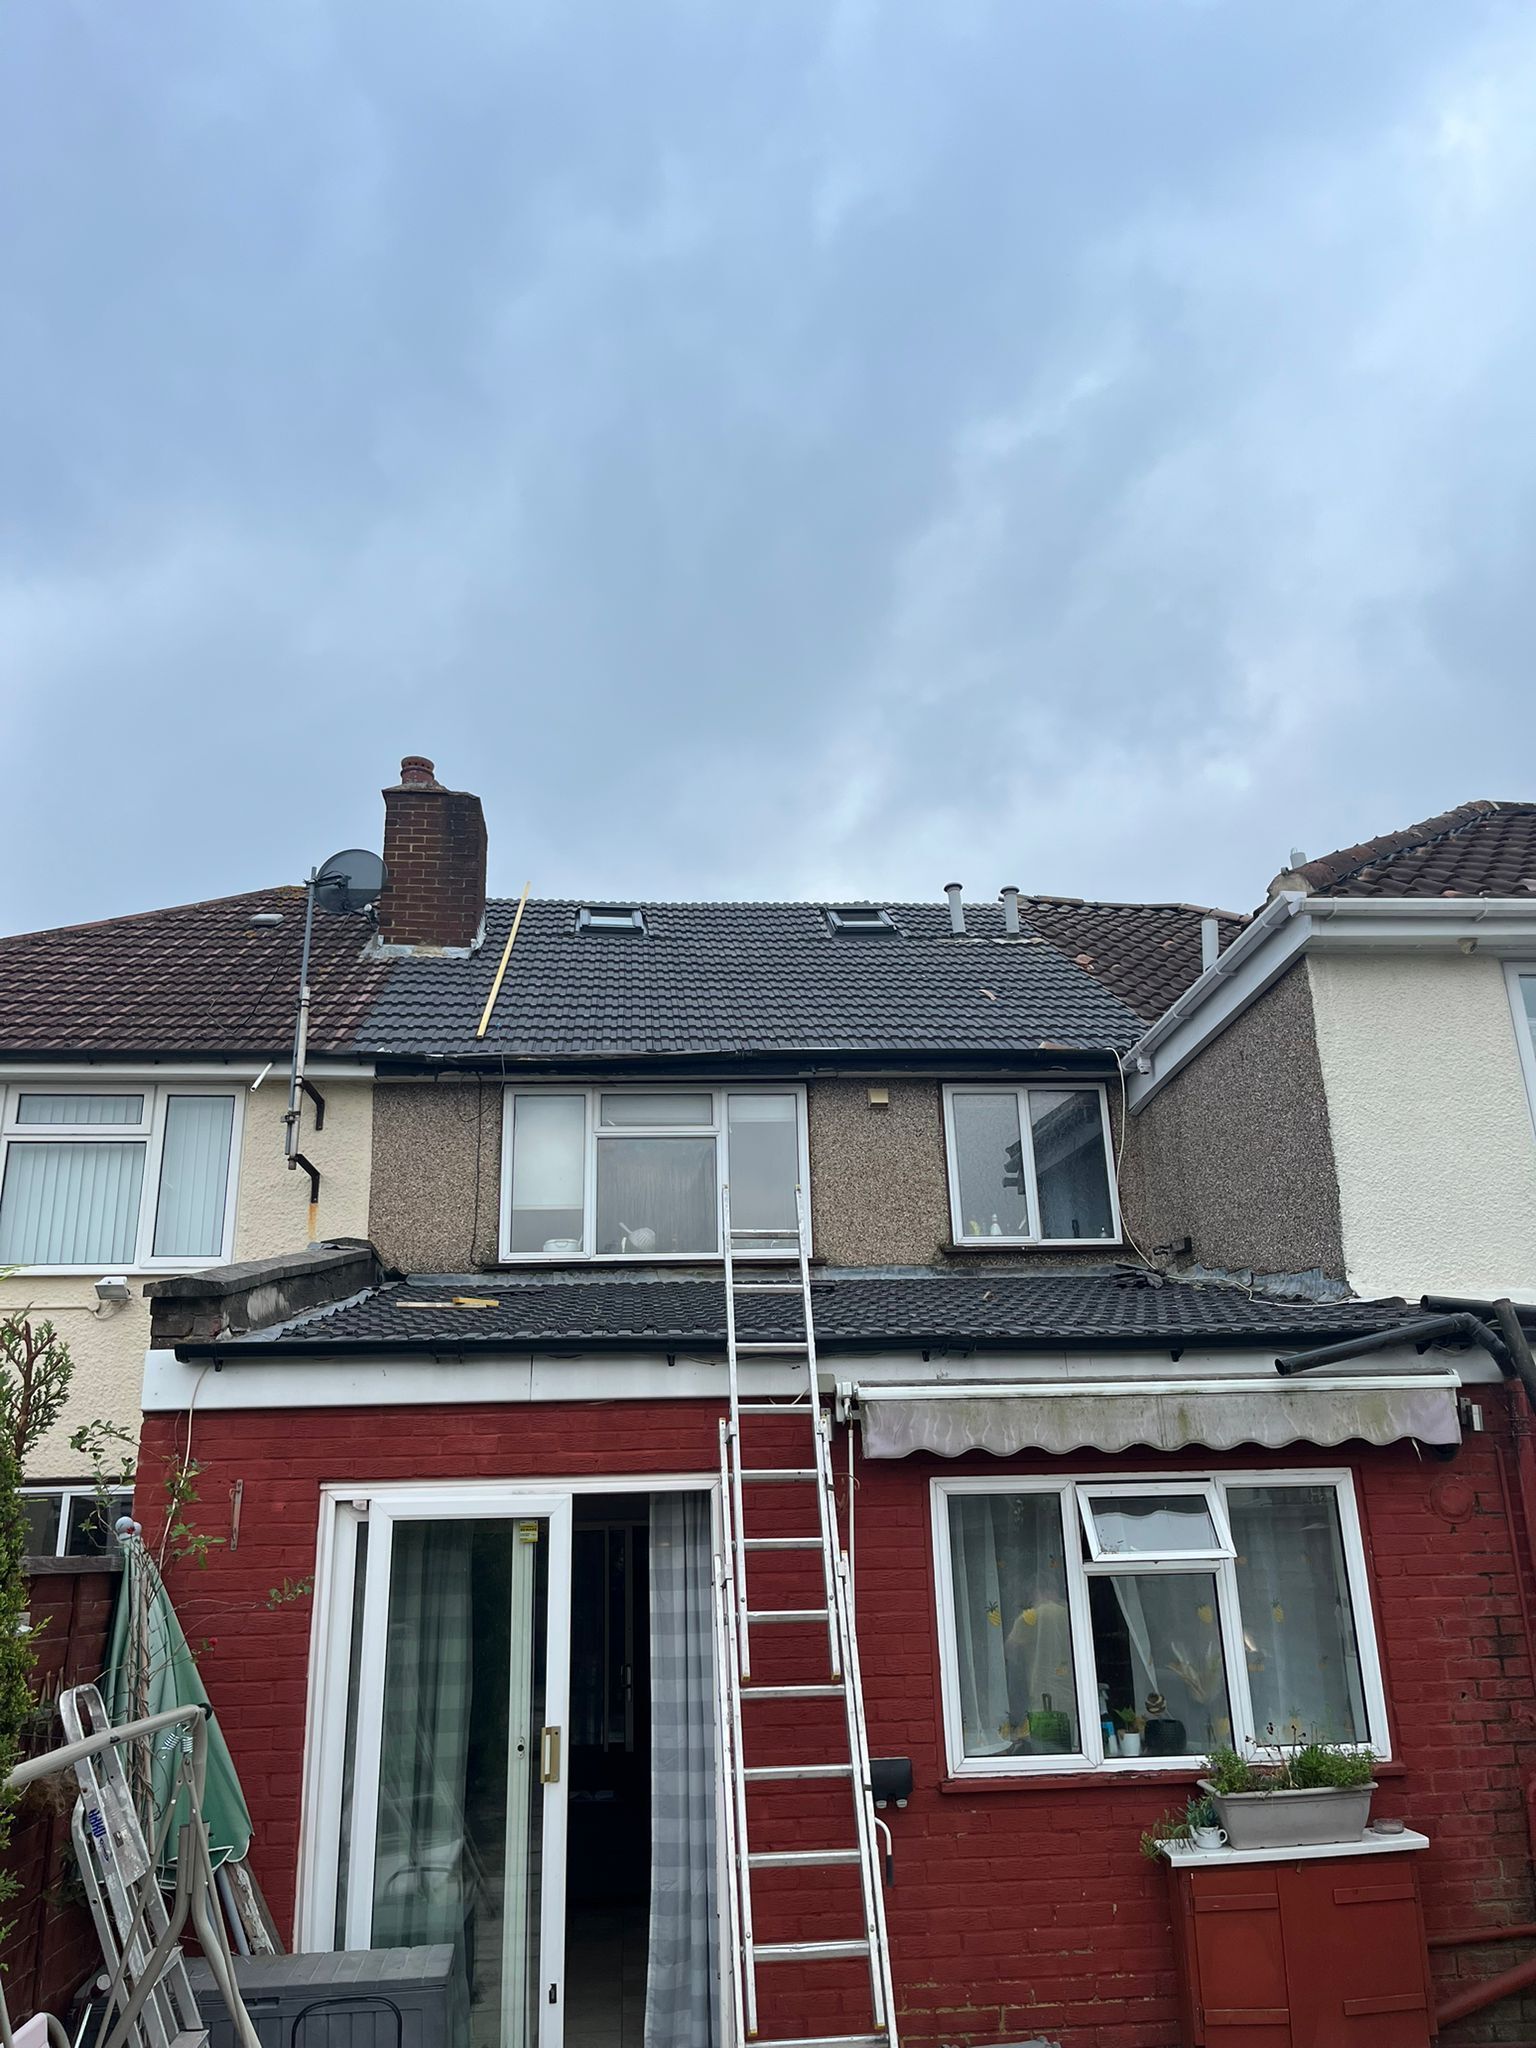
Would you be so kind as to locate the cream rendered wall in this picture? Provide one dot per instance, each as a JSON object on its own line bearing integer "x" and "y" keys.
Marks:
{"x": 107, "y": 1343}
{"x": 1431, "y": 1125}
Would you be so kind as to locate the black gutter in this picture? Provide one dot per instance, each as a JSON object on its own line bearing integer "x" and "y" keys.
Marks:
{"x": 942, "y": 1343}
{"x": 1462, "y": 1328}
{"x": 768, "y": 1062}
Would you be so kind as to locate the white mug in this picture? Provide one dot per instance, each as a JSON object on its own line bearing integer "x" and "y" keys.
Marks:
{"x": 1209, "y": 1838}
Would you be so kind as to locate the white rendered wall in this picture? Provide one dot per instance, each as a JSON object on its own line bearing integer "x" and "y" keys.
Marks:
{"x": 1431, "y": 1125}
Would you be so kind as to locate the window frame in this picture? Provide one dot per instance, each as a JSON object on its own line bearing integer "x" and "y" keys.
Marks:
{"x": 1021, "y": 1090}
{"x": 716, "y": 1129}
{"x": 1090, "y": 1756}
{"x": 1525, "y": 1038}
{"x": 65, "y": 1492}
{"x": 149, "y": 1132}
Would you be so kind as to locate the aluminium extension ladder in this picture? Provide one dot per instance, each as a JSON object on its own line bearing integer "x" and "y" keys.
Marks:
{"x": 843, "y": 1756}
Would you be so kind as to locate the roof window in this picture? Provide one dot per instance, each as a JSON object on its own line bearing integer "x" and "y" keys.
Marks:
{"x": 859, "y": 917}
{"x": 610, "y": 917}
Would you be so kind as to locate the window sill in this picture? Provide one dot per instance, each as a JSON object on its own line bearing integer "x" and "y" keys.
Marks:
{"x": 70, "y": 1567}
{"x": 1033, "y": 1244}
{"x": 1112, "y": 1779}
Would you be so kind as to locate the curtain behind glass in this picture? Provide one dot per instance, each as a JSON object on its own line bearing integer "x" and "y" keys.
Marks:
{"x": 657, "y": 1195}
{"x": 70, "y": 1205}
{"x": 419, "y": 1879}
{"x": 1013, "y": 1636}
{"x": 682, "y": 1987}
{"x": 1158, "y": 1634}
{"x": 1298, "y": 1624}
{"x": 194, "y": 1176}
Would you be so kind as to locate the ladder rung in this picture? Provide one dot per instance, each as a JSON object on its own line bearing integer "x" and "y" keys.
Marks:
{"x": 779, "y": 1475}
{"x": 781, "y": 1543}
{"x": 767, "y": 1286}
{"x": 762, "y": 1774}
{"x": 757, "y": 1614}
{"x": 830, "y": 2041}
{"x": 800, "y": 1859}
{"x": 787, "y": 1349}
{"x": 820, "y": 1691}
{"x": 809, "y": 1951}
{"x": 798, "y": 1407}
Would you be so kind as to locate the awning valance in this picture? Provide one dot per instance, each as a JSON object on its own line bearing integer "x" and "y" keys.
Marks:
{"x": 1122, "y": 1415}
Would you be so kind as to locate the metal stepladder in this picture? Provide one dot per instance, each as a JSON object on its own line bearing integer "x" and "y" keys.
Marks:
{"x": 744, "y": 1482}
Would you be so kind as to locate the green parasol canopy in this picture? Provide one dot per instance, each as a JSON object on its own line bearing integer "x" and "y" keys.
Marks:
{"x": 151, "y": 1668}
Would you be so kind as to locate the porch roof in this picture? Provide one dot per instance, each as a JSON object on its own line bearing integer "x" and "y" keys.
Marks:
{"x": 855, "y": 1311}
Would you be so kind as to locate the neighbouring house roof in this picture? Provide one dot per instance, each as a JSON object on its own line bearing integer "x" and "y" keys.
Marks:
{"x": 1482, "y": 848}
{"x": 745, "y": 979}
{"x": 1145, "y": 953}
{"x": 952, "y": 1311}
{"x": 199, "y": 979}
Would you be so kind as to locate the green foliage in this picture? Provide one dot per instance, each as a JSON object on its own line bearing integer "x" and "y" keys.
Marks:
{"x": 289, "y": 1591}
{"x": 183, "y": 1542}
{"x": 1177, "y": 1827}
{"x": 1132, "y": 1722}
{"x": 1313, "y": 1767}
{"x": 1228, "y": 1772}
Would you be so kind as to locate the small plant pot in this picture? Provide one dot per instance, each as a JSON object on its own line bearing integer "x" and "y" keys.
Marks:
{"x": 1292, "y": 1820}
{"x": 1130, "y": 1742}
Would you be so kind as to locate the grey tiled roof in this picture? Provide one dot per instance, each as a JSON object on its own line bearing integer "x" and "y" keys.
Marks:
{"x": 747, "y": 979}
{"x": 959, "y": 1310}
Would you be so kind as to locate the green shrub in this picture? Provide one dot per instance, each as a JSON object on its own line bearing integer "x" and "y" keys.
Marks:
{"x": 1228, "y": 1772}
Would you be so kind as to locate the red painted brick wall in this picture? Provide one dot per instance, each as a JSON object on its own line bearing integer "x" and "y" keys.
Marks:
{"x": 52, "y": 1948}
{"x": 1017, "y": 1911}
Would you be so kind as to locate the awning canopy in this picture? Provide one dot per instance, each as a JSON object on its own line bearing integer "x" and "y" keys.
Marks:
{"x": 1060, "y": 1416}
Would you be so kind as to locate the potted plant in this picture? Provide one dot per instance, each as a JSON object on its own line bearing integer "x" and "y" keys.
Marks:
{"x": 1131, "y": 1726}
{"x": 1183, "y": 1829}
{"x": 1319, "y": 1792}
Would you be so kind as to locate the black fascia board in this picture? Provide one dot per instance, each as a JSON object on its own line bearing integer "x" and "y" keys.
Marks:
{"x": 1088, "y": 1063}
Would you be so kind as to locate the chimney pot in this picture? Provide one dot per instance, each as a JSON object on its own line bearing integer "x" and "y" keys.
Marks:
{"x": 956, "y": 908}
{"x": 1010, "y": 896}
{"x": 434, "y": 852}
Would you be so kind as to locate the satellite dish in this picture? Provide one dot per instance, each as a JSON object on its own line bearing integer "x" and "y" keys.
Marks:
{"x": 350, "y": 881}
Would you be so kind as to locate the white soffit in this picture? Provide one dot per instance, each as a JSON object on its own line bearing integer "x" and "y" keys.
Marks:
{"x": 1293, "y": 923}
{"x": 953, "y": 1421}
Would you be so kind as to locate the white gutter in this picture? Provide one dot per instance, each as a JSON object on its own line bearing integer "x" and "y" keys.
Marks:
{"x": 1292, "y": 923}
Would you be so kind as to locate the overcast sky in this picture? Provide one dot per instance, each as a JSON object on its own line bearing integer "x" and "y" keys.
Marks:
{"x": 762, "y": 446}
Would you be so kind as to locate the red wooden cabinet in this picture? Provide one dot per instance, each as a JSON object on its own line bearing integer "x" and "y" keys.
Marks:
{"x": 1298, "y": 1949}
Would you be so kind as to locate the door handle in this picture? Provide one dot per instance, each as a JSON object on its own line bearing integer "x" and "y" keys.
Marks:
{"x": 549, "y": 1756}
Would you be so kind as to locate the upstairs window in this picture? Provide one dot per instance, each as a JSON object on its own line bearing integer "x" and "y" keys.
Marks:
{"x": 1522, "y": 996}
{"x": 610, "y": 917}
{"x": 860, "y": 917}
{"x": 636, "y": 1173}
{"x": 1030, "y": 1165}
{"x": 130, "y": 1177}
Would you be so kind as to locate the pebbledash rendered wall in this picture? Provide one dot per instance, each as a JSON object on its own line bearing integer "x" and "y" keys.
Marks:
{"x": 1020, "y": 1909}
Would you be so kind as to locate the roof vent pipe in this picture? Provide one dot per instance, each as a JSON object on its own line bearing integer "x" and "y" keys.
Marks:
{"x": 1210, "y": 942}
{"x": 1010, "y": 896}
{"x": 956, "y": 908}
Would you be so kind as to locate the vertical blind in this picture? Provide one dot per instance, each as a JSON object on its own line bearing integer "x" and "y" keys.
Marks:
{"x": 194, "y": 1176}
{"x": 71, "y": 1205}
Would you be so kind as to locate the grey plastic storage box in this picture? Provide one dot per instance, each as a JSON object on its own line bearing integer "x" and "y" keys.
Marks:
{"x": 349, "y": 1998}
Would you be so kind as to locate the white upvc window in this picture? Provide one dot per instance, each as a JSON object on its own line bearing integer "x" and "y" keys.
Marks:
{"x": 1521, "y": 978}
{"x": 1030, "y": 1164}
{"x": 135, "y": 1176}
{"x": 637, "y": 1172}
{"x": 1138, "y": 1623}
{"x": 72, "y": 1521}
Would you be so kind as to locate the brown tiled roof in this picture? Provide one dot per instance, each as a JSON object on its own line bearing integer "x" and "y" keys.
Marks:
{"x": 1481, "y": 848}
{"x": 1145, "y": 953}
{"x": 201, "y": 978}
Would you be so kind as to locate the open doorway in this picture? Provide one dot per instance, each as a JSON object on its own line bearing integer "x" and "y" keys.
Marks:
{"x": 609, "y": 1842}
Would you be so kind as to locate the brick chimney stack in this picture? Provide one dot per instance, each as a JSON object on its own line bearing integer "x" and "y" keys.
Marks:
{"x": 434, "y": 849}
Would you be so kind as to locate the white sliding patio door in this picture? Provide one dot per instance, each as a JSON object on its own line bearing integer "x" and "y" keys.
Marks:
{"x": 451, "y": 1617}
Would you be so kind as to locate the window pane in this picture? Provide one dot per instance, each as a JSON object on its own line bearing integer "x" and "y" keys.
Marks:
{"x": 1528, "y": 994}
{"x": 656, "y": 1195}
{"x": 989, "y": 1165}
{"x": 90, "y": 1524}
{"x": 1013, "y": 1634}
{"x": 630, "y": 1108}
{"x": 80, "y": 1109}
{"x": 764, "y": 1161}
{"x": 1152, "y": 1524}
{"x": 1299, "y": 1633}
{"x": 40, "y": 1511}
{"x": 1157, "y": 1649}
{"x": 194, "y": 1176}
{"x": 549, "y": 1137}
{"x": 1070, "y": 1168}
{"x": 70, "y": 1205}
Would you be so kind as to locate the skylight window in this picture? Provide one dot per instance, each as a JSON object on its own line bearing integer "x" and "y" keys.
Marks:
{"x": 860, "y": 917}
{"x": 610, "y": 917}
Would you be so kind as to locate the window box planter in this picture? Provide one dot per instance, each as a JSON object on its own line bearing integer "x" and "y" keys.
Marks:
{"x": 1292, "y": 1820}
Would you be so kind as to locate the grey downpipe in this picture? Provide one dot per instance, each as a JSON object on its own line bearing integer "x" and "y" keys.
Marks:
{"x": 1462, "y": 1327}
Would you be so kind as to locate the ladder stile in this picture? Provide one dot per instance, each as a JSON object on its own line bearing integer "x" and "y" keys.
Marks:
{"x": 743, "y": 1479}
